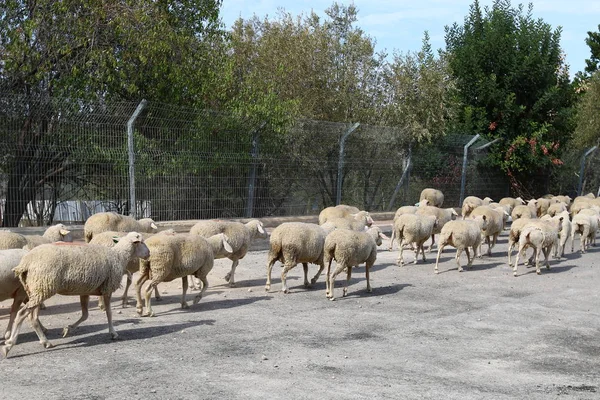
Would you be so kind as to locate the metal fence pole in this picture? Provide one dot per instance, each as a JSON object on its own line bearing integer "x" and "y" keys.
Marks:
{"x": 252, "y": 174}
{"x": 131, "y": 151}
{"x": 463, "y": 179}
{"x": 407, "y": 166}
{"x": 338, "y": 199}
{"x": 582, "y": 169}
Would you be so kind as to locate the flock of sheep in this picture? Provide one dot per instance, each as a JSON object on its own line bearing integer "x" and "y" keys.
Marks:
{"x": 35, "y": 268}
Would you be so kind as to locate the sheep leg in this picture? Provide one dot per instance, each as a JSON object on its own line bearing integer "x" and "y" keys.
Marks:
{"x": 546, "y": 251}
{"x": 583, "y": 239}
{"x": 184, "y": 288}
{"x": 511, "y": 244}
{"x": 432, "y": 243}
{"x": 38, "y": 328}
{"x": 269, "y": 269}
{"x": 348, "y": 277}
{"x": 124, "y": 296}
{"x": 194, "y": 283}
{"x": 517, "y": 260}
{"x": 14, "y": 309}
{"x": 469, "y": 259}
{"x": 458, "y": 253}
{"x": 327, "y": 290}
{"x": 204, "y": 287}
{"x": 318, "y": 274}
{"x": 286, "y": 267}
{"x": 138, "y": 291}
{"x": 148, "y": 296}
{"x": 400, "y": 261}
{"x": 367, "y": 268}
{"x": 305, "y": 268}
{"x": 101, "y": 304}
{"x": 157, "y": 296}
{"x": 230, "y": 275}
{"x": 437, "y": 260}
{"x": 84, "y": 301}
{"x": 573, "y": 241}
{"x": 111, "y": 329}
{"x": 392, "y": 240}
{"x": 14, "y": 334}
{"x": 537, "y": 260}
{"x": 422, "y": 246}
{"x": 339, "y": 268}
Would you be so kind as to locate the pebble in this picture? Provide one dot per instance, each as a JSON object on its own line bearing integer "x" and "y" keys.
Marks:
{"x": 264, "y": 358}
{"x": 249, "y": 290}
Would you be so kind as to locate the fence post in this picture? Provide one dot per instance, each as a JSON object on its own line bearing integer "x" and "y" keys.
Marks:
{"x": 463, "y": 179}
{"x": 338, "y": 199}
{"x": 131, "y": 151}
{"x": 252, "y": 174}
{"x": 582, "y": 169}
{"x": 407, "y": 166}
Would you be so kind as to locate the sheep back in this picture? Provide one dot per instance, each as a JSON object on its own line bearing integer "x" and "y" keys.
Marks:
{"x": 434, "y": 196}
{"x": 414, "y": 228}
{"x": 298, "y": 242}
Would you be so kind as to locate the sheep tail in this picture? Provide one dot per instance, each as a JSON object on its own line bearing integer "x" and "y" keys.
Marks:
{"x": 21, "y": 273}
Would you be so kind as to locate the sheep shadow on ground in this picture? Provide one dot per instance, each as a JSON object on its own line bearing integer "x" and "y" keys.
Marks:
{"x": 554, "y": 269}
{"x": 377, "y": 291}
{"x": 101, "y": 335}
{"x": 474, "y": 268}
{"x": 212, "y": 305}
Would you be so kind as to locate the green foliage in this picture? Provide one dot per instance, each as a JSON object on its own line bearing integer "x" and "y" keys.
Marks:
{"x": 587, "y": 132}
{"x": 512, "y": 84}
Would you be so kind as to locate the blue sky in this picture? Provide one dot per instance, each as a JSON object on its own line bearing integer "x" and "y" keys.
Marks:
{"x": 398, "y": 25}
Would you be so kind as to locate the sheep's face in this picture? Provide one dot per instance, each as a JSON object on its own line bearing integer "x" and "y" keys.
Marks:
{"x": 141, "y": 250}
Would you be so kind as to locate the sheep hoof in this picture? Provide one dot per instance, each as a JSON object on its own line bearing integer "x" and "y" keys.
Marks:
{"x": 149, "y": 314}
{"x": 538, "y": 272}
{"x": 158, "y": 298}
{"x": 185, "y": 306}
{"x": 114, "y": 336}
{"x": 197, "y": 299}
{"x": 5, "y": 350}
{"x": 369, "y": 290}
{"x": 42, "y": 306}
{"x": 286, "y": 290}
{"x": 232, "y": 284}
{"x": 306, "y": 285}
{"x": 313, "y": 281}
{"x": 228, "y": 276}
{"x": 267, "y": 288}
{"x": 47, "y": 345}
{"x": 65, "y": 331}
{"x": 547, "y": 267}
{"x": 332, "y": 298}
{"x": 139, "y": 311}
{"x": 514, "y": 274}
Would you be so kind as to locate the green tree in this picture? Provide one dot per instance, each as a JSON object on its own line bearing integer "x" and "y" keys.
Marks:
{"x": 105, "y": 50}
{"x": 513, "y": 85}
{"x": 587, "y": 132}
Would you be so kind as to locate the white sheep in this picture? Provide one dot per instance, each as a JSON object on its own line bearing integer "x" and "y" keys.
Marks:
{"x": 435, "y": 197}
{"x": 70, "y": 269}
{"x": 416, "y": 229}
{"x": 541, "y": 236}
{"x": 239, "y": 236}
{"x": 494, "y": 226}
{"x": 556, "y": 208}
{"x": 515, "y": 233}
{"x": 443, "y": 216}
{"x": 55, "y": 233}
{"x": 511, "y": 202}
{"x": 178, "y": 256}
{"x": 461, "y": 234}
{"x": 10, "y": 287}
{"x": 405, "y": 210}
{"x": 472, "y": 202}
{"x": 350, "y": 248}
{"x": 292, "y": 243}
{"x": 522, "y": 211}
{"x": 356, "y": 222}
{"x": 566, "y": 200}
{"x": 111, "y": 221}
{"x": 504, "y": 209}
{"x": 586, "y": 225}
{"x": 339, "y": 211}
{"x": 539, "y": 206}
{"x": 563, "y": 234}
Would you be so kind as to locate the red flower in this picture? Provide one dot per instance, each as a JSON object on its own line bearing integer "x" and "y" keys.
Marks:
{"x": 493, "y": 126}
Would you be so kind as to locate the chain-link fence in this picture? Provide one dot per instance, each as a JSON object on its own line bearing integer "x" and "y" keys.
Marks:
{"x": 64, "y": 160}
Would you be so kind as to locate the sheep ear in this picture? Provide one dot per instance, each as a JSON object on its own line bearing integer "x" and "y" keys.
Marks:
{"x": 383, "y": 236}
{"x": 260, "y": 228}
{"x": 484, "y": 217}
{"x": 116, "y": 239}
{"x": 226, "y": 244}
{"x": 64, "y": 232}
{"x": 153, "y": 226}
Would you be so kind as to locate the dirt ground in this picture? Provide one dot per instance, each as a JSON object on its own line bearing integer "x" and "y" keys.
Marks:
{"x": 480, "y": 334}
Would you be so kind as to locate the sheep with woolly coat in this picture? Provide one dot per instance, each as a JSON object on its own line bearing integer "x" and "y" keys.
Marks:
{"x": 68, "y": 269}
{"x": 522, "y": 211}
{"x": 55, "y": 233}
{"x": 339, "y": 211}
{"x": 541, "y": 236}
{"x": 356, "y": 222}
{"x": 10, "y": 286}
{"x": 511, "y": 202}
{"x": 405, "y": 210}
{"x": 111, "y": 221}
{"x": 413, "y": 229}
{"x": 177, "y": 256}
{"x": 586, "y": 226}
{"x": 239, "y": 237}
{"x": 443, "y": 216}
{"x": 563, "y": 234}
{"x": 434, "y": 196}
{"x": 350, "y": 248}
{"x": 462, "y": 234}
{"x": 472, "y": 202}
{"x": 494, "y": 226}
{"x": 292, "y": 243}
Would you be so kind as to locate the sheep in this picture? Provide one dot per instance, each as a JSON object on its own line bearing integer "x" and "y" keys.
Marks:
{"x": 55, "y": 233}
{"x": 511, "y": 202}
{"x": 522, "y": 211}
{"x": 504, "y": 209}
{"x": 10, "y": 287}
{"x": 515, "y": 233}
{"x": 472, "y": 202}
{"x": 239, "y": 236}
{"x": 443, "y": 215}
{"x": 399, "y": 212}
{"x": 107, "y": 239}
{"x": 556, "y": 208}
{"x": 563, "y": 233}
{"x": 292, "y": 243}
{"x": 178, "y": 256}
{"x": 540, "y": 206}
{"x": 566, "y": 200}
{"x": 356, "y": 222}
{"x": 461, "y": 234}
{"x": 494, "y": 226}
{"x": 111, "y": 221}
{"x": 349, "y": 248}
{"x": 339, "y": 211}
{"x": 434, "y": 196}
{"x": 70, "y": 269}
{"x": 586, "y": 226}
{"x": 542, "y": 236}
{"x": 413, "y": 228}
